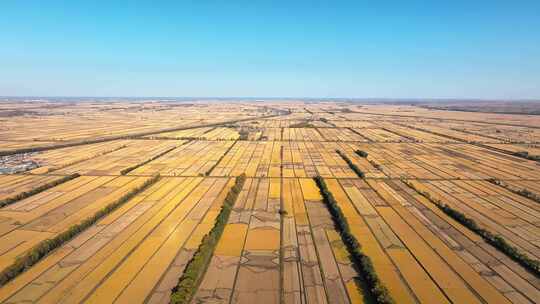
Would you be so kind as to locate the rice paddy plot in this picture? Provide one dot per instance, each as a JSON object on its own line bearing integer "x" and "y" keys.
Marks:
{"x": 133, "y": 254}
{"x": 280, "y": 243}
{"x": 425, "y": 245}
{"x": 246, "y": 267}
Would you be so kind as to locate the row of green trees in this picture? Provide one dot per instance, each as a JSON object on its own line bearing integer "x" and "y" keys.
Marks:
{"x": 178, "y": 138}
{"x": 78, "y": 161}
{"x": 26, "y": 194}
{"x": 129, "y": 169}
{"x": 132, "y": 136}
{"x": 244, "y": 135}
{"x": 207, "y": 173}
{"x": 522, "y": 192}
{"x": 303, "y": 124}
{"x": 361, "y": 153}
{"x": 51, "y": 147}
{"x": 495, "y": 240}
{"x": 353, "y": 167}
{"x": 196, "y": 267}
{"x": 361, "y": 261}
{"x": 525, "y": 154}
{"x": 43, "y": 248}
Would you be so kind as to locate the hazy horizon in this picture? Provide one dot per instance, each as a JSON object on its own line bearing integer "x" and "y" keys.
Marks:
{"x": 285, "y": 98}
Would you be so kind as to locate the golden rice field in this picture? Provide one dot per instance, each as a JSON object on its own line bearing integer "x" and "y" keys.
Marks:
{"x": 209, "y": 133}
{"x": 282, "y": 242}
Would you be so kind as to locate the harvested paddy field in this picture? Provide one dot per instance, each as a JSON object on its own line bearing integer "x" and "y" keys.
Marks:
{"x": 246, "y": 268}
{"x": 274, "y": 202}
{"x": 210, "y": 133}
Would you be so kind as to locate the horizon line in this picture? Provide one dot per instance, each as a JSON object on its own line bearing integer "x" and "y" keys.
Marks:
{"x": 416, "y": 99}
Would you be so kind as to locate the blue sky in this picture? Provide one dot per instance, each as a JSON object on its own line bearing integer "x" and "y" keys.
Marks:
{"x": 432, "y": 49}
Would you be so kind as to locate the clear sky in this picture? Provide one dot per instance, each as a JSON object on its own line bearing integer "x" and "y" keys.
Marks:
{"x": 442, "y": 49}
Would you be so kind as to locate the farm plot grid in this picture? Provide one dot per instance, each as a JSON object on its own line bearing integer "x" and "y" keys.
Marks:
{"x": 444, "y": 161}
{"x": 134, "y": 253}
{"x": 193, "y": 158}
{"x": 245, "y": 267}
{"x": 13, "y": 185}
{"x": 412, "y": 241}
{"x": 49, "y": 213}
{"x": 210, "y": 133}
{"x": 113, "y": 163}
{"x": 281, "y": 242}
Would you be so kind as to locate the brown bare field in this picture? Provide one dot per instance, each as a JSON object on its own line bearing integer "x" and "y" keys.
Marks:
{"x": 281, "y": 243}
